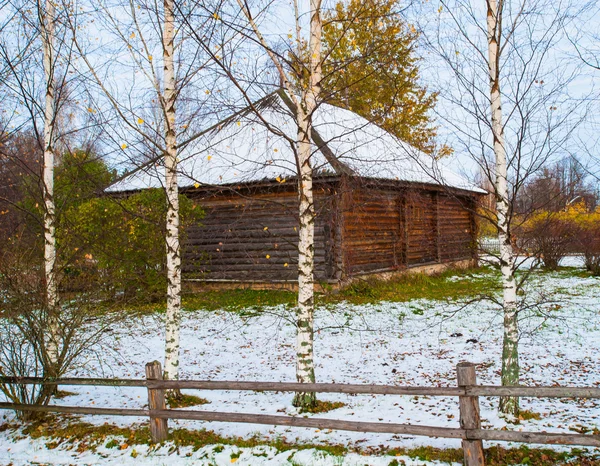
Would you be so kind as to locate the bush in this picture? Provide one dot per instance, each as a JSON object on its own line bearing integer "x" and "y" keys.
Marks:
{"x": 549, "y": 237}
{"x": 36, "y": 341}
{"x": 119, "y": 244}
{"x": 587, "y": 240}
{"x": 115, "y": 245}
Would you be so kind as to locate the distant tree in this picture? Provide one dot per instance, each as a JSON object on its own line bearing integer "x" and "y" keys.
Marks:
{"x": 372, "y": 69}
{"x": 557, "y": 187}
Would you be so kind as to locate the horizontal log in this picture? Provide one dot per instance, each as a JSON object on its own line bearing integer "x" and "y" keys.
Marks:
{"x": 478, "y": 390}
{"x": 372, "y": 427}
{"x": 535, "y": 437}
{"x": 316, "y": 423}
{"x": 75, "y": 410}
{"x": 534, "y": 392}
{"x": 306, "y": 387}
{"x": 75, "y": 381}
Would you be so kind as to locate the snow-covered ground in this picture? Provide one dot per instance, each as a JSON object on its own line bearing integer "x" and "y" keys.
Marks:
{"x": 414, "y": 343}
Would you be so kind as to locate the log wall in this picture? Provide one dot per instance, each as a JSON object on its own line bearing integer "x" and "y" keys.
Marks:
{"x": 255, "y": 237}
{"x": 390, "y": 229}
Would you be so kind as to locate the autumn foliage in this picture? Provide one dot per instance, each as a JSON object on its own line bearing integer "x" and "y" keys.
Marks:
{"x": 550, "y": 236}
{"x": 371, "y": 68}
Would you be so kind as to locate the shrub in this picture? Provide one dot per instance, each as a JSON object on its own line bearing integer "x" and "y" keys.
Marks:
{"x": 118, "y": 244}
{"x": 552, "y": 235}
{"x": 549, "y": 237}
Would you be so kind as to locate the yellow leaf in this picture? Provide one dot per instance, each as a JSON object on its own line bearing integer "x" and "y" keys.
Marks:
{"x": 278, "y": 179}
{"x": 150, "y": 57}
{"x": 285, "y": 265}
{"x": 275, "y": 150}
{"x": 123, "y": 146}
{"x": 265, "y": 228}
{"x": 140, "y": 121}
{"x": 196, "y": 185}
{"x": 233, "y": 460}
{"x": 207, "y": 92}
{"x": 132, "y": 35}
{"x": 268, "y": 256}
{"x": 290, "y": 36}
{"x": 238, "y": 123}
{"x": 440, "y": 9}
{"x": 216, "y": 16}
{"x": 209, "y": 157}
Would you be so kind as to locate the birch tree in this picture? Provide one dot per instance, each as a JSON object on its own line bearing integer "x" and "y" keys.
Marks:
{"x": 47, "y": 35}
{"x": 305, "y": 105}
{"x": 510, "y": 353}
{"x": 505, "y": 64}
{"x": 303, "y": 99}
{"x": 151, "y": 119}
{"x": 29, "y": 38}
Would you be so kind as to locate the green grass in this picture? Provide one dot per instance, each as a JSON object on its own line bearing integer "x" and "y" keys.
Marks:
{"x": 471, "y": 283}
{"x": 323, "y": 407}
{"x": 84, "y": 437}
{"x": 451, "y": 285}
{"x": 468, "y": 283}
{"x": 185, "y": 401}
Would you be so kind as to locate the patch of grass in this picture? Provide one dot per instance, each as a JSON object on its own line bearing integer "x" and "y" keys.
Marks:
{"x": 112, "y": 444}
{"x": 250, "y": 302}
{"x": 499, "y": 456}
{"x": 184, "y": 401}
{"x": 448, "y": 455}
{"x": 59, "y": 394}
{"x": 324, "y": 407}
{"x": 529, "y": 415}
{"x": 566, "y": 272}
{"x": 451, "y": 284}
{"x": 448, "y": 285}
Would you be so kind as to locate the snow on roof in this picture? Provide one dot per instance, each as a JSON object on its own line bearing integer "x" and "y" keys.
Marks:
{"x": 249, "y": 147}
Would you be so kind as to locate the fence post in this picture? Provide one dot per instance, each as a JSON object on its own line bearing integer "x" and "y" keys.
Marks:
{"x": 159, "y": 429}
{"x": 469, "y": 415}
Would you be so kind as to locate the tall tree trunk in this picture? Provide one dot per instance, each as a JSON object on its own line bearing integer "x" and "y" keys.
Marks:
{"x": 510, "y": 348}
{"x": 173, "y": 315}
{"x": 47, "y": 20}
{"x": 305, "y": 369}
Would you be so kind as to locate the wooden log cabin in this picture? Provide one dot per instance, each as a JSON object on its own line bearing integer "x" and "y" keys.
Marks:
{"x": 382, "y": 207}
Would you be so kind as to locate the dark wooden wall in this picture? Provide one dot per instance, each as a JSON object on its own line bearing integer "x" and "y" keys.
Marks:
{"x": 387, "y": 229}
{"x": 254, "y": 237}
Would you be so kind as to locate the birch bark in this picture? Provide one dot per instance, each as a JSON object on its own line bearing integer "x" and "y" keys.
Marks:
{"x": 173, "y": 314}
{"x": 510, "y": 349}
{"x": 47, "y": 36}
{"x": 305, "y": 369}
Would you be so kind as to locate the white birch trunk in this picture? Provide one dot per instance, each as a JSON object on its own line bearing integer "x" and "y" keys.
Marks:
{"x": 48, "y": 182}
{"x": 305, "y": 369}
{"x": 173, "y": 314}
{"x": 510, "y": 350}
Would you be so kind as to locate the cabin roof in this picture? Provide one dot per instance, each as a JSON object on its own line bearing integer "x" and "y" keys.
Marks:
{"x": 255, "y": 146}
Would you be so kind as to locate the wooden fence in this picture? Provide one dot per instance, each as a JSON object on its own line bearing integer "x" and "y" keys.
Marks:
{"x": 467, "y": 391}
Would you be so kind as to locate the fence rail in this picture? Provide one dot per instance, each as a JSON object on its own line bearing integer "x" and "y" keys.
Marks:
{"x": 467, "y": 391}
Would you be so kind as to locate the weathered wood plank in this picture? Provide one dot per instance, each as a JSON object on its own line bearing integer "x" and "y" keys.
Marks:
{"x": 469, "y": 415}
{"x": 316, "y": 423}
